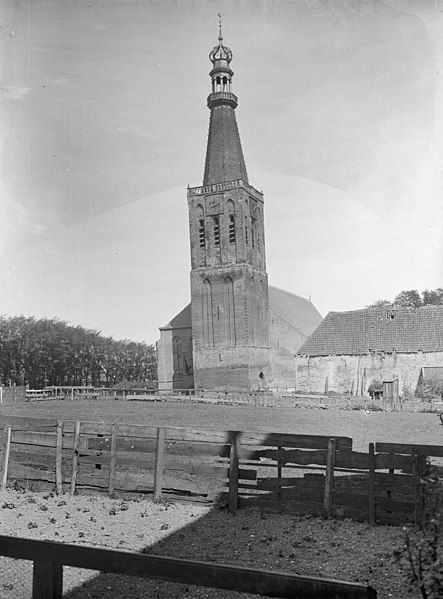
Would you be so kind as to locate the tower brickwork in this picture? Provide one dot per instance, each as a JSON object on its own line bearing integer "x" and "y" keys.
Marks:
{"x": 229, "y": 283}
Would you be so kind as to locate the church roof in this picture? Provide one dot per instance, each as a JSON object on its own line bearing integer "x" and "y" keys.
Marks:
{"x": 406, "y": 330}
{"x": 181, "y": 321}
{"x": 296, "y": 310}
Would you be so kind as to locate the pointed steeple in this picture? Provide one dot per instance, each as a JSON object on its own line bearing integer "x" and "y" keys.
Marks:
{"x": 224, "y": 154}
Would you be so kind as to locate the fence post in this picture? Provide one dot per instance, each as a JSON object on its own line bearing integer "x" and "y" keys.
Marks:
{"x": 279, "y": 463}
{"x": 419, "y": 470}
{"x": 233, "y": 472}
{"x": 75, "y": 457}
{"x": 58, "y": 458}
{"x": 329, "y": 481}
{"x": 159, "y": 463}
{"x": 47, "y": 581}
{"x": 7, "y": 434}
{"x": 371, "y": 491}
{"x": 112, "y": 460}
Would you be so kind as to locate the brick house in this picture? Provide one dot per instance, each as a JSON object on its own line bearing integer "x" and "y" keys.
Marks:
{"x": 349, "y": 351}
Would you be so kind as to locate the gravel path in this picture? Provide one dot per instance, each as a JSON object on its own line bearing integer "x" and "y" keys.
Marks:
{"x": 344, "y": 550}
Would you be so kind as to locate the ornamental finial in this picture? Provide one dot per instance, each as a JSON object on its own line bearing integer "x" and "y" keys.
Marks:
{"x": 220, "y": 36}
{"x": 220, "y": 52}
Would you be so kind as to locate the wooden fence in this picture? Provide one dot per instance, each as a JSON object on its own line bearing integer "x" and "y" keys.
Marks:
{"x": 276, "y": 471}
{"x": 49, "y": 558}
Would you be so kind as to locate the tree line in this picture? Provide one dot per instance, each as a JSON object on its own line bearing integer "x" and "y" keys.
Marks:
{"x": 412, "y": 299}
{"x": 44, "y": 352}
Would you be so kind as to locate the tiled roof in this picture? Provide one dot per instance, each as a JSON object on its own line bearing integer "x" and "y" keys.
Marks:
{"x": 379, "y": 329}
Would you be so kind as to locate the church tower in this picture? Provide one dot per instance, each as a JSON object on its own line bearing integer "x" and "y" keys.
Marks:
{"x": 229, "y": 284}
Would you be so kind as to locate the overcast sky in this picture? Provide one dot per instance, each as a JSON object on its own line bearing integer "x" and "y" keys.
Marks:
{"x": 104, "y": 124}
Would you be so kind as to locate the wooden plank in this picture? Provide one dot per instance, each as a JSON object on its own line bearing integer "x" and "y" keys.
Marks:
{"x": 47, "y": 580}
{"x": 233, "y": 472}
{"x": 58, "y": 458}
{"x": 407, "y": 448}
{"x": 23, "y": 423}
{"x": 5, "y": 466}
{"x": 144, "y": 482}
{"x": 343, "y": 459}
{"x": 43, "y": 439}
{"x": 329, "y": 480}
{"x": 159, "y": 463}
{"x": 247, "y": 438}
{"x": 185, "y": 434}
{"x": 112, "y": 460}
{"x": 371, "y": 484}
{"x": 273, "y": 484}
{"x": 246, "y": 580}
{"x": 28, "y": 472}
{"x": 75, "y": 457}
{"x": 392, "y": 461}
{"x": 299, "y": 441}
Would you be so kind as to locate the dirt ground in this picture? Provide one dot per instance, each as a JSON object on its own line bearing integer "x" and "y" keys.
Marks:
{"x": 339, "y": 549}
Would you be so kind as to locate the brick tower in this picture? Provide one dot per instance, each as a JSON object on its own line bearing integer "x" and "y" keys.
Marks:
{"x": 229, "y": 284}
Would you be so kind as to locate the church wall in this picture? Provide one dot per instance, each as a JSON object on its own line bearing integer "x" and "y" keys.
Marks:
{"x": 347, "y": 373}
{"x": 175, "y": 359}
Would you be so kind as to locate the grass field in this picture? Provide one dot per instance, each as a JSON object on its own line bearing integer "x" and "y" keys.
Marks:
{"x": 401, "y": 427}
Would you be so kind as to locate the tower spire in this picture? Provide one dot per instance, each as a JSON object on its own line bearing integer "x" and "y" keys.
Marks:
{"x": 224, "y": 154}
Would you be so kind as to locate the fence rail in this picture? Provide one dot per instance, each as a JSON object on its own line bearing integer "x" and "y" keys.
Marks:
{"x": 49, "y": 558}
{"x": 288, "y": 472}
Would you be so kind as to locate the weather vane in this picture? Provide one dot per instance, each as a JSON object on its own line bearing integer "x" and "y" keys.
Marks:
{"x": 220, "y": 25}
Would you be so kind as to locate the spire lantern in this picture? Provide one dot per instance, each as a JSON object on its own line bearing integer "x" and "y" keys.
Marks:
{"x": 221, "y": 74}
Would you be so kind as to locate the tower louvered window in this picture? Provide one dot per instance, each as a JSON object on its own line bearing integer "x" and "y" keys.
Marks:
{"x": 231, "y": 229}
{"x": 216, "y": 231}
{"x": 253, "y": 232}
{"x": 246, "y": 231}
{"x": 201, "y": 233}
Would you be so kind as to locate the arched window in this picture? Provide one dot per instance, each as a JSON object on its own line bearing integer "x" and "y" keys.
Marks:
{"x": 231, "y": 228}
{"x": 216, "y": 231}
{"x": 253, "y": 232}
{"x": 246, "y": 231}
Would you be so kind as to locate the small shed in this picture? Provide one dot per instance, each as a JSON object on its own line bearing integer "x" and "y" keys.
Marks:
{"x": 390, "y": 392}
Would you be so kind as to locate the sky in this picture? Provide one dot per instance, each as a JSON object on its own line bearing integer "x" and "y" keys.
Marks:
{"x": 103, "y": 124}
